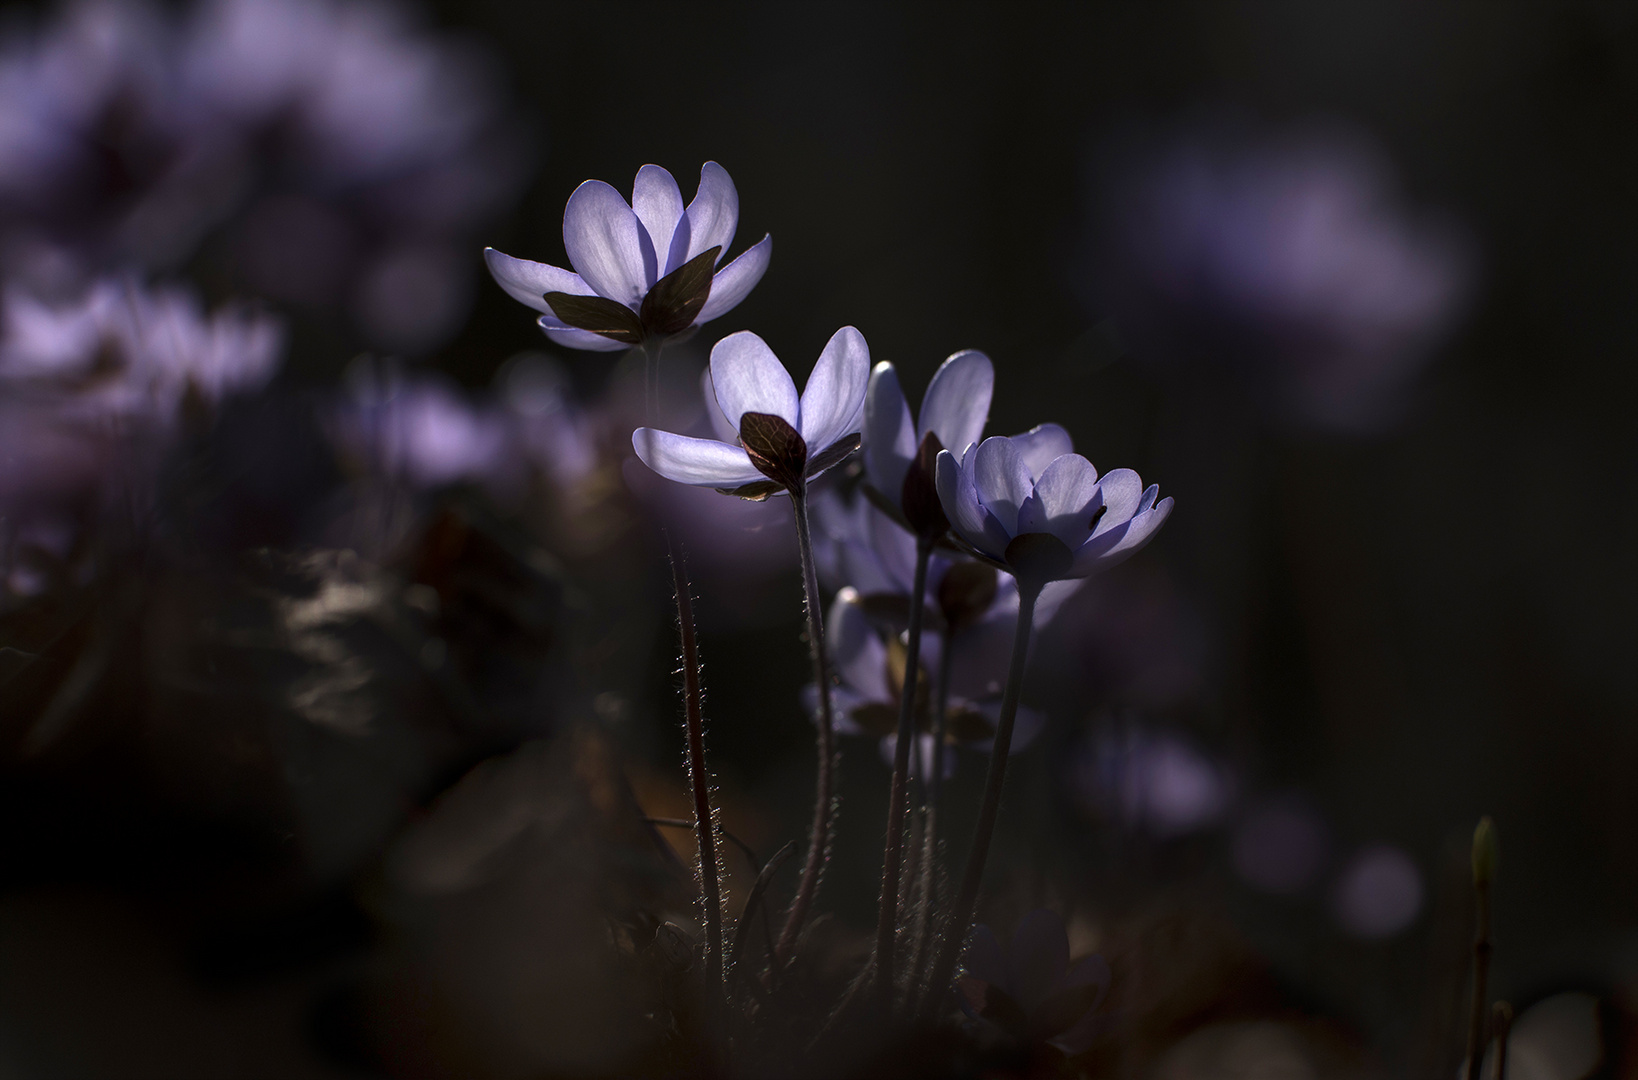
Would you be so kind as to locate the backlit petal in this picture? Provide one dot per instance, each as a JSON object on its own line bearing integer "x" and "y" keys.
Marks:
{"x": 747, "y": 377}
{"x": 889, "y": 433}
{"x": 700, "y": 462}
{"x": 714, "y": 214}
{"x": 959, "y": 496}
{"x": 1003, "y": 480}
{"x": 607, "y": 245}
{"x": 658, "y": 204}
{"x": 1041, "y": 444}
{"x": 735, "y": 281}
{"x": 528, "y": 282}
{"x": 833, "y": 401}
{"x": 957, "y": 402}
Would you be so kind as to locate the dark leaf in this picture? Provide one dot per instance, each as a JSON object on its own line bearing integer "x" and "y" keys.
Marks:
{"x": 922, "y": 507}
{"x": 599, "y": 315}
{"x": 967, "y": 726}
{"x": 776, "y": 448}
{"x": 877, "y": 718}
{"x": 675, "y": 300}
{"x": 834, "y": 454}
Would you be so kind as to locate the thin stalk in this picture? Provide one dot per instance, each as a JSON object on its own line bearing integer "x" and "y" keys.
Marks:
{"x": 819, "y": 835}
{"x": 1502, "y": 1027}
{"x": 887, "y": 920}
{"x": 1476, "y": 1027}
{"x": 699, "y": 779}
{"x": 961, "y": 915}
{"x": 932, "y": 784}
{"x": 651, "y": 379}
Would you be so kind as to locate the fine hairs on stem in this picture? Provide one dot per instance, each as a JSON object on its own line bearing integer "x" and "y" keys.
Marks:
{"x": 699, "y": 776}
{"x": 888, "y": 917}
{"x": 819, "y": 836}
{"x": 973, "y": 876}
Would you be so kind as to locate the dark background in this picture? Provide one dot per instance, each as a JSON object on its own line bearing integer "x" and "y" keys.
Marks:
{"x": 1412, "y": 626}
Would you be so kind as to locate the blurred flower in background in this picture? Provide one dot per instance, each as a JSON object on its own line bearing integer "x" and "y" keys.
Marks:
{"x": 1281, "y": 261}
{"x": 327, "y": 154}
{"x": 1150, "y": 779}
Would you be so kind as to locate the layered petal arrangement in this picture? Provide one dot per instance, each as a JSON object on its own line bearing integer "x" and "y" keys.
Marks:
{"x": 782, "y": 440}
{"x": 1031, "y": 507}
{"x": 644, "y": 269}
{"x": 899, "y": 451}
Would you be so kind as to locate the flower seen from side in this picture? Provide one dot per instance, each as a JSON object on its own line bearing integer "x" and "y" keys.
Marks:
{"x": 900, "y": 451}
{"x": 781, "y": 440}
{"x": 1029, "y": 506}
{"x": 642, "y": 270}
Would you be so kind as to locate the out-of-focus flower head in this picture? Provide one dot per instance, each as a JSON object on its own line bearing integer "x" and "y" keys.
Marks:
{"x": 870, "y": 667}
{"x": 1378, "y": 892}
{"x": 779, "y": 441}
{"x": 643, "y": 269}
{"x": 91, "y": 394}
{"x": 1285, "y": 261}
{"x": 335, "y": 156}
{"x": 1030, "y": 506}
{"x": 1029, "y": 989}
{"x": 421, "y": 431}
{"x": 1281, "y": 846}
{"x": 1157, "y": 781}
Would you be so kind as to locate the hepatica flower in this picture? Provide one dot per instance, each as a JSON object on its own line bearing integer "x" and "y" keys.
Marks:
{"x": 642, "y": 270}
{"x": 899, "y": 452}
{"x": 782, "y": 440}
{"x": 1027, "y": 505}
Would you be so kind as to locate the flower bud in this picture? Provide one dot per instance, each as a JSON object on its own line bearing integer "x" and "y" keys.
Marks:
{"x": 1486, "y": 852}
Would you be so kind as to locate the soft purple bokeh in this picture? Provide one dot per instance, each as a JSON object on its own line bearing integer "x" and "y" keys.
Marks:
{"x": 421, "y": 431}
{"x": 1378, "y": 893}
{"x": 1157, "y": 781}
{"x": 325, "y": 153}
{"x": 1281, "y": 846}
{"x": 1283, "y": 261}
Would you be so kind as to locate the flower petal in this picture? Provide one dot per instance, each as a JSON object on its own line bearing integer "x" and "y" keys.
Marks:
{"x": 959, "y": 496}
{"x": 1122, "y": 492}
{"x": 607, "y": 245}
{"x": 957, "y": 402}
{"x": 889, "y": 433}
{"x": 577, "y": 339}
{"x": 1105, "y": 549}
{"x": 1040, "y": 444}
{"x": 657, "y": 202}
{"x": 833, "y": 400}
{"x": 735, "y": 281}
{"x": 1003, "y": 480}
{"x": 720, "y": 427}
{"x": 747, "y": 377}
{"x": 528, "y": 282}
{"x": 714, "y": 214}
{"x": 700, "y": 462}
{"x": 1063, "y": 497}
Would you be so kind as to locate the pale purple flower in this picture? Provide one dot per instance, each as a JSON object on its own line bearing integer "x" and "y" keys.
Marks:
{"x": 620, "y": 250}
{"x": 813, "y": 432}
{"x": 1030, "y": 506}
{"x": 953, "y": 412}
{"x": 870, "y": 671}
{"x": 1030, "y": 989}
{"x": 421, "y": 431}
{"x": 1284, "y": 260}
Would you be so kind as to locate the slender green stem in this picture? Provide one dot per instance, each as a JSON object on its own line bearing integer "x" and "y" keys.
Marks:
{"x": 1476, "y": 1027}
{"x": 962, "y": 913}
{"x": 932, "y": 784}
{"x": 887, "y": 921}
{"x": 699, "y": 776}
{"x": 823, "y": 812}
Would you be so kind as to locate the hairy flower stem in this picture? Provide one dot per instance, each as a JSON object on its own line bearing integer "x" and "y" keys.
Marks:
{"x": 887, "y": 920}
{"x": 932, "y": 784}
{"x": 819, "y": 835}
{"x": 699, "y": 778}
{"x": 961, "y": 914}
{"x": 1476, "y": 1026}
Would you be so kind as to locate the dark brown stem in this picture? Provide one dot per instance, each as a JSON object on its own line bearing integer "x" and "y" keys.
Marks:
{"x": 962, "y": 913}
{"x": 823, "y": 812}
{"x": 699, "y": 778}
{"x": 1476, "y": 1028}
{"x": 887, "y": 920}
